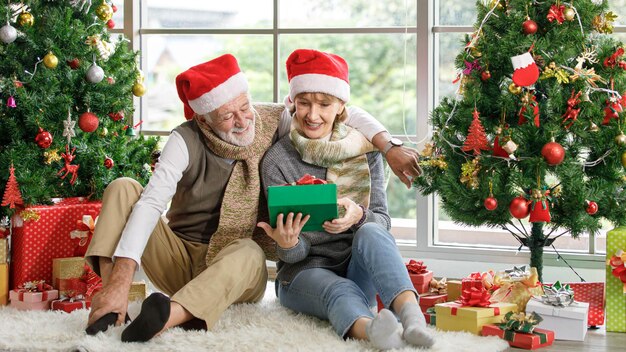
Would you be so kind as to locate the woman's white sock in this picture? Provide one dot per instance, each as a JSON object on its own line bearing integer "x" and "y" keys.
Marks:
{"x": 414, "y": 324}
{"x": 384, "y": 331}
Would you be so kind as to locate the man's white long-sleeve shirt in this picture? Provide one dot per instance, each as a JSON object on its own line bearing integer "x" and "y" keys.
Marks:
{"x": 169, "y": 170}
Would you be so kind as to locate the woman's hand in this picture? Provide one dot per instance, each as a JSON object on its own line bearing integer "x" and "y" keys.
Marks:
{"x": 353, "y": 214}
{"x": 285, "y": 235}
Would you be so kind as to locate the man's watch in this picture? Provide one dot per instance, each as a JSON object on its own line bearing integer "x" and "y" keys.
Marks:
{"x": 393, "y": 142}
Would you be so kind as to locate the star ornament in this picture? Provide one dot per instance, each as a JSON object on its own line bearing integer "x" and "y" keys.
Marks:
{"x": 68, "y": 128}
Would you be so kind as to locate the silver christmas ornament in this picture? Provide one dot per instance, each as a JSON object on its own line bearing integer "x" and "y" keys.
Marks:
{"x": 95, "y": 73}
{"x": 8, "y": 34}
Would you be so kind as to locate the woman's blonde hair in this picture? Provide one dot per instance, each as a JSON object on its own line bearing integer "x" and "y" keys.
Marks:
{"x": 341, "y": 117}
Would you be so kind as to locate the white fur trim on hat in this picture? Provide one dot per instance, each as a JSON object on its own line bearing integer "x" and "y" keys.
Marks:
{"x": 231, "y": 88}
{"x": 319, "y": 83}
{"x": 521, "y": 61}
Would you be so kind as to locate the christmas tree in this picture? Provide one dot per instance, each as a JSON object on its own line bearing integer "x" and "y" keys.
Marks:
{"x": 66, "y": 92}
{"x": 547, "y": 79}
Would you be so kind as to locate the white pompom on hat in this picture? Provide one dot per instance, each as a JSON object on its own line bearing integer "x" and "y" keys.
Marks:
{"x": 312, "y": 71}
{"x": 205, "y": 87}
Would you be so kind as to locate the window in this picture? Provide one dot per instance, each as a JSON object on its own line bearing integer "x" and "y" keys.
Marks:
{"x": 401, "y": 55}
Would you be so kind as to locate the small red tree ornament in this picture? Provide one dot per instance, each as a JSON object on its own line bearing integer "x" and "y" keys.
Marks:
{"x": 519, "y": 207}
{"x": 12, "y": 194}
{"x": 476, "y": 139}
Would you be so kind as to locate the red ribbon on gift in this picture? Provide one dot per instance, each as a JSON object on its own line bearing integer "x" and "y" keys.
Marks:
{"x": 94, "y": 282}
{"x": 617, "y": 263}
{"x": 611, "y": 61}
{"x": 34, "y": 286}
{"x": 415, "y": 267}
{"x": 308, "y": 180}
{"x": 475, "y": 297}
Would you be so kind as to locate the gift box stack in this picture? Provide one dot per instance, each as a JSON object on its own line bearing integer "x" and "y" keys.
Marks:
{"x": 76, "y": 283}
{"x": 421, "y": 278}
{"x": 592, "y": 293}
{"x": 42, "y": 233}
{"x": 520, "y": 331}
{"x": 616, "y": 280}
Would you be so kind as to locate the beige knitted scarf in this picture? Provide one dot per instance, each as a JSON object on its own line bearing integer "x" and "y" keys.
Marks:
{"x": 344, "y": 158}
{"x": 240, "y": 204}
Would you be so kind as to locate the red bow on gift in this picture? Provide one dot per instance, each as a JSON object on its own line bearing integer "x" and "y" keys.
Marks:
{"x": 34, "y": 286}
{"x": 94, "y": 282}
{"x": 415, "y": 267}
{"x": 475, "y": 297}
{"x": 82, "y": 235}
{"x": 618, "y": 264}
{"x": 308, "y": 180}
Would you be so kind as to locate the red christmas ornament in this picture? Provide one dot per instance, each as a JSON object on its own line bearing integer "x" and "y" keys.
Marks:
{"x": 529, "y": 26}
{"x": 12, "y": 194}
{"x": 553, "y": 152}
{"x": 68, "y": 168}
{"x": 490, "y": 203}
{"x": 592, "y": 207}
{"x": 88, "y": 122}
{"x": 114, "y": 8}
{"x": 111, "y": 24}
{"x": 485, "y": 75}
{"x": 612, "y": 110}
{"x": 116, "y": 116}
{"x": 108, "y": 162}
{"x": 571, "y": 114}
{"x": 476, "y": 139}
{"x": 529, "y": 101}
{"x": 519, "y": 208}
{"x": 43, "y": 138}
{"x": 73, "y": 63}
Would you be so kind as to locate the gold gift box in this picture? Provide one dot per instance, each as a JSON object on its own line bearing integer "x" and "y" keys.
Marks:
{"x": 452, "y": 316}
{"x": 138, "y": 291}
{"x": 4, "y": 284}
{"x": 64, "y": 269}
{"x": 454, "y": 290}
{"x": 4, "y": 250}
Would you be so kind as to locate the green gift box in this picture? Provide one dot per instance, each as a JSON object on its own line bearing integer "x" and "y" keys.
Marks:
{"x": 318, "y": 201}
{"x": 615, "y": 295}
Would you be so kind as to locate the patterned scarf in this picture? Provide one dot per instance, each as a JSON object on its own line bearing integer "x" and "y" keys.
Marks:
{"x": 239, "y": 211}
{"x": 343, "y": 156}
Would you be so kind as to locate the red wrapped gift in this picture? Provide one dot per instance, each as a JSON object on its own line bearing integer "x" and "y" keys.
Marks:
{"x": 69, "y": 305}
{"x": 33, "y": 295}
{"x": 41, "y": 233}
{"x": 530, "y": 341}
{"x": 473, "y": 280}
{"x": 592, "y": 293}
{"x": 429, "y": 300}
{"x": 81, "y": 236}
{"x": 420, "y": 276}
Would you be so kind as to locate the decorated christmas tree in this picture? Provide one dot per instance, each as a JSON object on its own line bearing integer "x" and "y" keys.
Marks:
{"x": 66, "y": 93}
{"x": 548, "y": 81}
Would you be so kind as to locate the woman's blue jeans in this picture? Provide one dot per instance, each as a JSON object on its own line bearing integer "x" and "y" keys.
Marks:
{"x": 376, "y": 266}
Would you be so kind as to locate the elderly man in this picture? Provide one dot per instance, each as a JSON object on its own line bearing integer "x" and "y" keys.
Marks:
{"x": 209, "y": 255}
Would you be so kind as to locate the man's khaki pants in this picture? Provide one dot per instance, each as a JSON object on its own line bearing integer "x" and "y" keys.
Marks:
{"x": 176, "y": 266}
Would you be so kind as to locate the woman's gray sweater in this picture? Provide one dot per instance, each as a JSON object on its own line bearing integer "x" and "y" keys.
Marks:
{"x": 282, "y": 164}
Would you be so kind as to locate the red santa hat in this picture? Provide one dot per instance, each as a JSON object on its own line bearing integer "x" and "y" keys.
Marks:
{"x": 205, "y": 87}
{"x": 312, "y": 71}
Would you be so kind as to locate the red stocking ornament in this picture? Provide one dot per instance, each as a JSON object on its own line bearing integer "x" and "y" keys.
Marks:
{"x": 525, "y": 70}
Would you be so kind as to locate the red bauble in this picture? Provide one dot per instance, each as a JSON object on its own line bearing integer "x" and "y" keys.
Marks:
{"x": 111, "y": 24}
{"x": 116, "y": 116}
{"x": 114, "y": 8}
{"x": 485, "y": 75}
{"x": 519, "y": 207}
{"x": 529, "y": 27}
{"x": 88, "y": 122}
{"x": 490, "y": 203}
{"x": 43, "y": 138}
{"x": 73, "y": 63}
{"x": 553, "y": 152}
{"x": 592, "y": 208}
{"x": 108, "y": 163}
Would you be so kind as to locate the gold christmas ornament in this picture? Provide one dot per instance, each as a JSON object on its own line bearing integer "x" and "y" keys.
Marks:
{"x": 104, "y": 11}
{"x": 139, "y": 89}
{"x": 620, "y": 139}
{"x": 51, "y": 156}
{"x": 515, "y": 89}
{"x": 624, "y": 160}
{"x": 26, "y": 19}
{"x": 475, "y": 52}
{"x": 50, "y": 60}
{"x": 496, "y": 3}
{"x": 569, "y": 14}
{"x": 104, "y": 132}
{"x": 593, "y": 127}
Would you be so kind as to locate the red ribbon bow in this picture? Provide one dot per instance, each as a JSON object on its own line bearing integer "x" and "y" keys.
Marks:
{"x": 556, "y": 13}
{"x": 475, "y": 298}
{"x": 34, "y": 286}
{"x": 308, "y": 180}
{"x": 415, "y": 267}
{"x": 611, "y": 61}
{"x": 617, "y": 263}
{"x": 94, "y": 282}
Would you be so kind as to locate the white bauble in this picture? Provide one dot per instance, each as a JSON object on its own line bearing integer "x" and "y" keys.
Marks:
{"x": 95, "y": 73}
{"x": 8, "y": 34}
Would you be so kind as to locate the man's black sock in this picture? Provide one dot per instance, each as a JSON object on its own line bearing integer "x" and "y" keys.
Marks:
{"x": 103, "y": 323}
{"x": 155, "y": 311}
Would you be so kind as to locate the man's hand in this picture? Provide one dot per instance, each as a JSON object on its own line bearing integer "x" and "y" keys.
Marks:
{"x": 353, "y": 214}
{"x": 403, "y": 161}
{"x": 286, "y": 232}
{"x": 114, "y": 295}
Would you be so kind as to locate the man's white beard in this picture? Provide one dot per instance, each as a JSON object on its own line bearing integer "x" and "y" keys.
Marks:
{"x": 241, "y": 140}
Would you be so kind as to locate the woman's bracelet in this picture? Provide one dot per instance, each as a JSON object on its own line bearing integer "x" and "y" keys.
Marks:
{"x": 362, "y": 220}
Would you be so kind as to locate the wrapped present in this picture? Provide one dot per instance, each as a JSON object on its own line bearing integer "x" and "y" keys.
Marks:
{"x": 519, "y": 330}
{"x": 452, "y": 316}
{"x": 616, "y": 280}
{"x": 592, "y": 293}
{"x": 420, "y": 276}
{"x": 309, "y": 196}
{"x": 4, "y": 250}
{"x": 41, "y": 233}
{"x": 33, "y": 295}
{"x": 138, "y": 291}
{"x": 4, "y": 284}
{"x": 431, "y": 316}
{"x": 473, "y": 280}
{"x": 517, "y": 286}
{"x": 70, "y": 304}
{"x": 81, "y": 236}
{"x": 437, "y": 293}
{"x": 454, "y": 290}
{"x": 67, "y": 275}
{"x": 569, "y": 322}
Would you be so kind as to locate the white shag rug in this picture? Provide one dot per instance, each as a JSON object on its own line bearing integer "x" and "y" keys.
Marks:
{"x": 266, "y": 326}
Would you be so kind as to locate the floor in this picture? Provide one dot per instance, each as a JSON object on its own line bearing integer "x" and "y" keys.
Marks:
{"x": 595, "y": 341}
